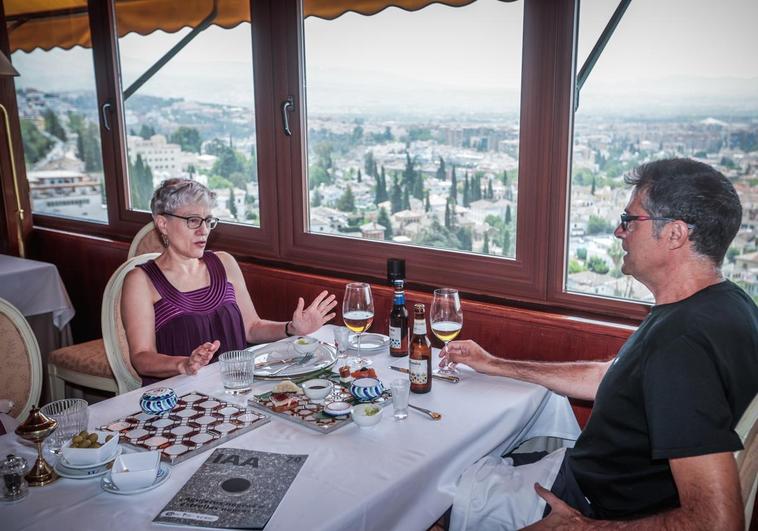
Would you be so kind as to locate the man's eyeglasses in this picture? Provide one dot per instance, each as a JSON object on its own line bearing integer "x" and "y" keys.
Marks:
{"x": 194, "y": 222}
{"x": 628, "y": 218}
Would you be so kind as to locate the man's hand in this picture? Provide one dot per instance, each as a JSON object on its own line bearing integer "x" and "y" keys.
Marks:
{"x": 308, "y": 320}
{"x": 200, "y": 357}
{"x": 562, "y": 516}
{"x": 468, "y": 352}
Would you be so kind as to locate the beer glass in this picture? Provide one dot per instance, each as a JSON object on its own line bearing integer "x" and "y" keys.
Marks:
{"x": 446, "y": 318}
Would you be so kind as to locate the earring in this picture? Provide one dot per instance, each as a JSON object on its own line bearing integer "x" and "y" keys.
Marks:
{"x": 164, "y": 239}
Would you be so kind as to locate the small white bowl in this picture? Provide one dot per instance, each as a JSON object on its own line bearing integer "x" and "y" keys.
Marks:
{"x": 363, "y": 419}
{"x": 317, "y": 389}
{"x": 305, "y": 344}
{"x": 91, "y": 456}
{"x": 135, "y": 471}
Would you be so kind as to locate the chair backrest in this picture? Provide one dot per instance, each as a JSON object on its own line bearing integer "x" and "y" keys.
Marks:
{"x": 21, "y": 377}
{"x": 147, "y": 240}
{"x": 114, "y": 336}
{"x": 747, "y": 458}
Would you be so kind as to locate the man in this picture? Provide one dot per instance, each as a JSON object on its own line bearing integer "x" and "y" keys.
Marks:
{"x": 657, "y": 452}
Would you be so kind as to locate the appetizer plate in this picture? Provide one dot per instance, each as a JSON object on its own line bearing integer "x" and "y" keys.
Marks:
{"x": 279, "y": 360}
{"x": 337, "y": 409}
{"x": 163, "y": 473}
{"x": 371, "y": 344}
{"x": 92, "y": 466}
{"x": 78, "y": 473}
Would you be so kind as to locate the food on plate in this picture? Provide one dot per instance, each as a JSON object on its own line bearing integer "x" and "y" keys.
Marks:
{"x": 281, "y": 402}
{"x": 364, "y": 372}
{"x": 84, "y": 439}
{"x": 286, "y": 387}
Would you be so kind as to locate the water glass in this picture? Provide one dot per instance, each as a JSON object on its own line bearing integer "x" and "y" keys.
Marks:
{"x": 237, "y": 370}
{"x": 401, "y": 388}
{"x": 72, "y": 416}
{"x": 341, "y": 342}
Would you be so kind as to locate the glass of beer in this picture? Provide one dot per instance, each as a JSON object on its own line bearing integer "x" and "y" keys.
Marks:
{"x": 358, "y": 309}
{"x": 446, "y": 317}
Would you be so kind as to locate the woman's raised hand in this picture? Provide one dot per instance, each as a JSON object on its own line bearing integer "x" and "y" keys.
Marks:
{"x": 200, "y": 357}
{"x": 307, "y": 320}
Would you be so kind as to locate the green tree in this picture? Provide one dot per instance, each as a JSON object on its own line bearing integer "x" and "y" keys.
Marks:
{"x": 508, "y": 218}
{"x": 216, "y": 182}
{"x": 486, "y": 244}
{"x": 504, "y": 178}
{"x": 88, "y": 147}
{"x": 396, "y": 199}
{"x": 466, "y": 239}
{"x": 384, "y": 220}
{"x": 360, "y": 177}
{"x": 36, "y": 145}
{"x": 490, "y": 190}
{"x": 146, "y": 131}
{"x": 598, "y": 225}
{"x": 437, "y": 236}
{"x": 441, "y": 175}
{"x": 140, "y": 184}
{"x": 316, "y": 198}
{"x": 466, "y": 198}
{"x": 731, "y": 254}
{"x": 232, "y": 204}
{"x": 507, "y": 243}
{"x": 357, "y": 134}
{"x": 346, "y": 202}
{"x": 427, "y": 203}
{"x": 318, "y": 175}
{"x": 581, "y": 254}
{"x": 53, "y": 124}
{"x": 406, "y": 199}
{"x": 188, "y": 138}
{"x": 228, "y": 163}
{"x": 418, "y": 186}
{"x": 575, "y": 266}
{"x": 594, "y": 184}
{"x": 597, "y": 265}
{"x": 448, "y": 223}
{"x": 453, "y": 185}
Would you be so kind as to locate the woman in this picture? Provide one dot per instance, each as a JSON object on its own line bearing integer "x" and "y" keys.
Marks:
{"x": 188, "y": 304}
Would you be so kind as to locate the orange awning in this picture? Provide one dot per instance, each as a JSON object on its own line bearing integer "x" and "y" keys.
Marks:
{"x": 50, "y": 24}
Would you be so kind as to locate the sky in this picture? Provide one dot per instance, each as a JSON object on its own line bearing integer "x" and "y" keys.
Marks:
{"x": 456, "y": 59}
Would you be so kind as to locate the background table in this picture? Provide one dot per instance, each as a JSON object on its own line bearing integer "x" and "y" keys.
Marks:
{"x": 395, "y": 475}
{"x": 36, "y": 289}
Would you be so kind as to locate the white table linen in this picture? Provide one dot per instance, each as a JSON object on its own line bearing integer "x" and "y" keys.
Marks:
{"x": 396, "y": 475}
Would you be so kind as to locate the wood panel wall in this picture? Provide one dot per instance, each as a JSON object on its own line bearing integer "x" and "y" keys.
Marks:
{"x": 86, "y": 263}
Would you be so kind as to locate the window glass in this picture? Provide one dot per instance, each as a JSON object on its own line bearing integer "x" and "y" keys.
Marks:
{"x": 660, "y": 90}
{"x": 194, "y": 117}
{"x": 60, "y": 128}
{"x": 413, "y": 125}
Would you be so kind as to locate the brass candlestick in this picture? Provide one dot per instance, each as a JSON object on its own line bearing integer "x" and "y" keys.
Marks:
{"x": 36, "y": 429}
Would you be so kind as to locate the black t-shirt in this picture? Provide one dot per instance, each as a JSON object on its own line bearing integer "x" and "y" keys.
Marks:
{"x": 677, "y": 388}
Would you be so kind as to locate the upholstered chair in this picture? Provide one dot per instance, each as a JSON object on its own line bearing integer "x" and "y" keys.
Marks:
{"x": 114, "y": 336}
{"x": 21, "y": 375}
{"x": 747, "y": 458}
{"x": 147, "y": 240}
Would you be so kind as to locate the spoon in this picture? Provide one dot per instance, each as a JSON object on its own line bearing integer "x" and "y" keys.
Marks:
{"x": 433, "y": 414}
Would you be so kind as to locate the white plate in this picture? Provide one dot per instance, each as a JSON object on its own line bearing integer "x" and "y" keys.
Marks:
{"x": 323, "y": 357}
{"x": 113, "y": 456}
{"x": 164, "y": 471}
{"x": 370, "y": 344}
{"x": 330, "y": 409}
{"x": 76, "y": 473}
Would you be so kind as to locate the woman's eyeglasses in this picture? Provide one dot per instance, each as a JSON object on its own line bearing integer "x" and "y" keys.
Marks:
{"x": 194, "y": 222}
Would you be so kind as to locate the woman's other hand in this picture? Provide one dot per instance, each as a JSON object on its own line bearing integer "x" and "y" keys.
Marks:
{"x": 200, "y": 357}
{"x": 307, "y": 320}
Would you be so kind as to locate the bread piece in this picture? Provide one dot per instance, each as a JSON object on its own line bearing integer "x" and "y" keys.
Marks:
{"x": 281, "y": 402}
{"x": 286, "y": 387}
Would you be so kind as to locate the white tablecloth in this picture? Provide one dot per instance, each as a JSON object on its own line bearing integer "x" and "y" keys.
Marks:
{"x": 35, "y": 288}
{"x": 395, "y": 475}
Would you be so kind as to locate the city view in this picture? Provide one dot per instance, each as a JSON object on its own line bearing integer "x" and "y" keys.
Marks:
{"x": 420, "y": 151}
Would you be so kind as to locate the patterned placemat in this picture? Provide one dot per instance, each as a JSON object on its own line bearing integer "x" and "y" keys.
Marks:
{"x": 310, "y": 414}
{"x": 197, "y": 423}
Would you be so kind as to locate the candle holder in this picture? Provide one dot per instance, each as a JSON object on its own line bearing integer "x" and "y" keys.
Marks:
{"x": 36, "y": 428}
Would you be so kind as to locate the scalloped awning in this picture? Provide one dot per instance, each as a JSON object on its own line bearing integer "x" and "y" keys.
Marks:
{"x": 50, "y": 24}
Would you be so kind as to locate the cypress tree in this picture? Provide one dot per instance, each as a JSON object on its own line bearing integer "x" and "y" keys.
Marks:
{"x": 486, "y": 245}
{"x": 397, "y": 195}
{"x": 427, "y": 204}
{"x": 406, "y": 199}
{"x": 508, "y": 215}
{"x": 466, "y": 198}
{"x": 453, "y": 186}
{"x": 384, "y": 219}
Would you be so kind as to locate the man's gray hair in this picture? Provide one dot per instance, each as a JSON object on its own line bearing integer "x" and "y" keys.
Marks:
{"x": 172, "y": 194}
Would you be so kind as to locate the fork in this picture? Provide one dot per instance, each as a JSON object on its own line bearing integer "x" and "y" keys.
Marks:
{"x": 302, "y": 361}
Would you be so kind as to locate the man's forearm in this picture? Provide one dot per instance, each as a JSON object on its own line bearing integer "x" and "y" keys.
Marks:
{"x": 578, "y": 379}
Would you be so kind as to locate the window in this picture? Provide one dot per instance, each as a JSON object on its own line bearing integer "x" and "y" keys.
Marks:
{"x": 193, "y": 116}
{"x": 659, "y": 90}
{"x": 413, "y": 126}
{"x": 60, "y": 127}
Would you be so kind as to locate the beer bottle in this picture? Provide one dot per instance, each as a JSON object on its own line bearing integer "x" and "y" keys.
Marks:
{"x": 420, "y": 360}
{"x": 398, "y": 323}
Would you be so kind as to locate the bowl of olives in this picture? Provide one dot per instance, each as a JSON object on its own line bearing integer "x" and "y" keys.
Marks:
{"x": 90, "y": 448}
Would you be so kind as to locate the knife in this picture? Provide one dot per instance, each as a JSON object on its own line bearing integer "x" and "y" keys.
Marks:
{"x": 451, "y": 379}
{"x": 267, "y": 364}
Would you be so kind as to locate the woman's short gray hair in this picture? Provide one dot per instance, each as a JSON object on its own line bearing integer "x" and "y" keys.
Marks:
{"x": 172, "y": 194}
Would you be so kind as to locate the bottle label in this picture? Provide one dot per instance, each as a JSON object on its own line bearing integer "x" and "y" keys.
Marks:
{"x": 399, "y": 298}
{"x": 418, "y": 372}
{"x": 396, "y": 334}
{"x": 419, "y": 327}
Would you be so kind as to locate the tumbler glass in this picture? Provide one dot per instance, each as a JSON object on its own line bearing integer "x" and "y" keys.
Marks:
{"x": 72, "y": 416}
{"x": 401, "y": 388}
{"x": 237, "y": 371}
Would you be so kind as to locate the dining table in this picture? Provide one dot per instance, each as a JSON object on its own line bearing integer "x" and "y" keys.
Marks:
{"x": 396, "y": 475}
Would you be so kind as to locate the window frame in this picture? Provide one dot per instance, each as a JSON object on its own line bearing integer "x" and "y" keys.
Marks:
{"x": 535, "y": 278}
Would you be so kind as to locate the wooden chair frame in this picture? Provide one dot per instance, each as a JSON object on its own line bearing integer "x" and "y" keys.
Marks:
{"x": 32, "y": 352}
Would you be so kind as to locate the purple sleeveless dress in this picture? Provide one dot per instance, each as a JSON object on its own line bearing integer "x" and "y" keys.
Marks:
{"x": 185, "y": 320}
